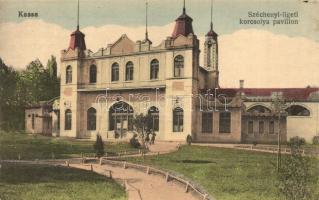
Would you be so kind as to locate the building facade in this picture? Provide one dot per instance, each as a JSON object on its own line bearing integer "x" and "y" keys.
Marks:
{"x": 102, "y": 91}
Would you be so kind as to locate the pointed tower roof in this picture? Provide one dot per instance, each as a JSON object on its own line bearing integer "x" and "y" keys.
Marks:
{"x": 211, "y": 32}
{"x": 183, "y": 24}
{"x": 77, "y": 37}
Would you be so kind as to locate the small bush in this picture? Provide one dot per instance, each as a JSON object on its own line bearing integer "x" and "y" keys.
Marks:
{"x": 99, "y": 146}
{"x": 189, "y": 139}
{"x": 296, "y": 141}
{"x": 315, "y": 140}
{"x": 134, "y": 141}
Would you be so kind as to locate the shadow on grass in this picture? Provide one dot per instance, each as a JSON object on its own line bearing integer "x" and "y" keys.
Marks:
{"x": 195, "y": 161}
{"x": 23, "y": 173}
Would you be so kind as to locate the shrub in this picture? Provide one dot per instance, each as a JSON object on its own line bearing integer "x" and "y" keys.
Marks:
{"x": 134, "y": 141}
{"x": 99, "y": 146}
{"x": 315, "y": 140}
{"x": 298, "y": 175}
{"x": 296, "y": 141}
{"x": 189, "y": 139}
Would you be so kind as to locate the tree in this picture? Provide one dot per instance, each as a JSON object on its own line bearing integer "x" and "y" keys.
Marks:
{"x": 298, "y": 176}
{"x": 99, "y": 146}
{"x": 143, "y": 124}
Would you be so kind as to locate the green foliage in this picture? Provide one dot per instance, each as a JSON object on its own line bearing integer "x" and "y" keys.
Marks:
{"x": 298, "y": 176}
{"x": 143, "y": 124}
{"x": 296, "y": 142}
{"x": 189, "y": 139}
{"x": 21, "y": 88}
{"x": 134, "y": 141}
{"x": 99, "y": 146}
{"x": 39, "y": 182}
{"x": 315, "y": 140}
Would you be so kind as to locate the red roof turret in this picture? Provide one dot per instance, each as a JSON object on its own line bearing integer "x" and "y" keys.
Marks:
{"x": 183, "y": 25}
{"x": 77, "y": 40}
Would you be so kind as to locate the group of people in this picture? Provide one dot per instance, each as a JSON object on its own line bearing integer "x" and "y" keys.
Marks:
{"x": 149, "y": 140}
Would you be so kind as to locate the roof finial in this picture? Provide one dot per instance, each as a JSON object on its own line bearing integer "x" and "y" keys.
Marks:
{"x": 78, "y": 16}
{"x": 184, "y": 9}
{"x": 146, "y": 20}
{"x": 211, "y": 15}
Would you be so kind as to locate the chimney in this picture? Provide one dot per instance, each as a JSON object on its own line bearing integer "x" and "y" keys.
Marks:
{"x": 241, "y": 84}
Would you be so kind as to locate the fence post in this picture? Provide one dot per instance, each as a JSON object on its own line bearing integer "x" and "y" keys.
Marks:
{"x": 67, "y": 163}
{"x": 167, "y": 177}
{"x": 148, "y": 170}
{"x": 186, "y": 189}
{"x": 110, "y": 173}
{"x": 205, "y": 196}
{"x": 101, "y": 161}
{"x": 124, "y": 165}
{"x": 91, "y": 167}
{"x": 19, "y": 156}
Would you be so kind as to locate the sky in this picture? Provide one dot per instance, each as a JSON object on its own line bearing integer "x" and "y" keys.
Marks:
{"x": 262, "y": 55}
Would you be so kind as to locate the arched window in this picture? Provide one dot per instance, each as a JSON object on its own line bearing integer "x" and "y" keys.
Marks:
{"x": 68, "y": 120}
{"x": 93, "y": 72}
{"x": 178, "y": 120}
{"x": 154, "y": 69}
{"x": 68, "y": 74}
{"x": 91, "y": 119}
{"x": 121, "y": 117}
{"x": 179, "y": 66}
{"x": 296, "y": 110}
{"x": 115, "y": 72}
{"x": 259, "y": 109}
{"x": 129, "y": 70}
{"x": 154, "y": 112}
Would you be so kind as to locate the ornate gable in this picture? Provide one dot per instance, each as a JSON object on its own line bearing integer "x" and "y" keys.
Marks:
{"x": 122, "y": 46}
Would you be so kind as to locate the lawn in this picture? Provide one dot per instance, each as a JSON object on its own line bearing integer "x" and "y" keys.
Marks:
{"x": 227, "y": 174}
{"x": 35, "y": 182}
{"x": 13, "y": 144}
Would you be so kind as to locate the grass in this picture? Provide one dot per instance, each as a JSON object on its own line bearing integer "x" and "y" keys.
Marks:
{"x": 35, "y": 182}
{"x": 13, "y": 144}
{"x": 226, "y": 174}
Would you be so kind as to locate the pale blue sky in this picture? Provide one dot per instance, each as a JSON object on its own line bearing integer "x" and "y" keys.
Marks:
{"x": 161, "y": 12}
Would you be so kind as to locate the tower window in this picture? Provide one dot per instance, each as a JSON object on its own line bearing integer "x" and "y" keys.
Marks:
{"x": 178, "y": 120}
{"x": 224, "y": 122}
{"x": 179, "y": 66}
{"x": 129, "y": 71}
{"x": 68, "y": 74}
{"x": 68, "y": 120}
{"x": 154, "y": 69}
{"x": 115, "y": 72}
{"x": 93, "y": 72}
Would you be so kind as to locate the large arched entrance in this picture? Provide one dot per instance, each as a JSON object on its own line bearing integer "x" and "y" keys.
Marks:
{"x": 121, "y": 119}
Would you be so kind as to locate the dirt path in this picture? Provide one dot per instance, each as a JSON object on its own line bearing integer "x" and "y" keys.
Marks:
{"x": 141, "y": 186}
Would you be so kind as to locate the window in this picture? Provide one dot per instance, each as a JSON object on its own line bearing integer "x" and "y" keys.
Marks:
{"x": 271, "y": 127}
{"x": 154, "y": 69}
{"x": 129, "y": 71}
{"x": 178, "y": 120}
{"x": 91, "y": 119}
{"x": 154, "y": 112}
{"x": 297, "y": 110}
{"x": 121, "y": 117}
{"x": 224, "y": 122}
{"x": 179, "y": 66}
{"x": 261, "y": 127}
{"x": 68, "y": 120}
{"x": 251, "y": 127}
{"x": 259, "y": 109}
{"x": 93, "y": 74}
{"x": 115, "y": 72}
{"x": 207, "y": 122}
{"x": 32, "y": 122}
{"x": 68, "y": 74}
